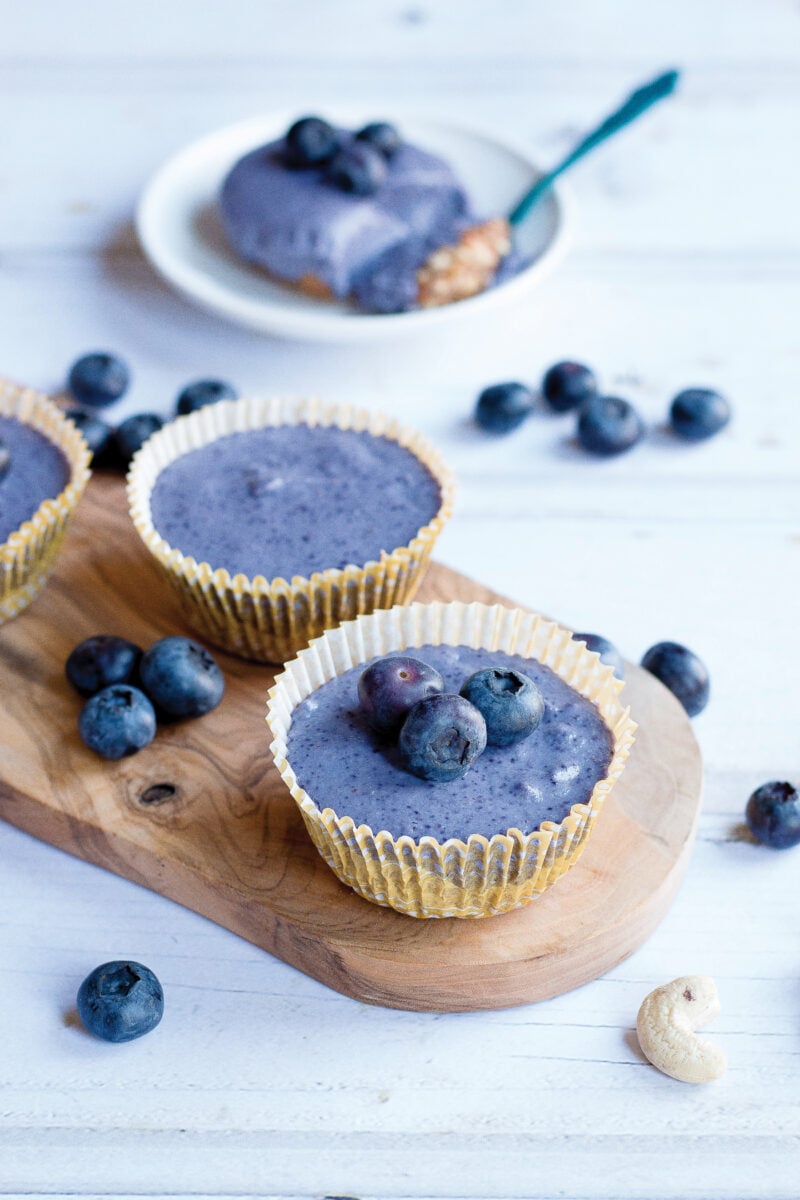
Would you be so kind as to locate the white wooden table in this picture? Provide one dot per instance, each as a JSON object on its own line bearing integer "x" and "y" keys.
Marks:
{"x": 685, "y": 269}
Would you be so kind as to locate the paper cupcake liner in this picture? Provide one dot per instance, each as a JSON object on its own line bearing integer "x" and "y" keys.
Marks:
{"x": 27, "y": 557}
{"x": 270, "y": 619}
{"x": 426, "y": 878}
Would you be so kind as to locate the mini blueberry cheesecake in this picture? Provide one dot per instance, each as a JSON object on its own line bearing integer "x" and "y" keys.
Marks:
{"x": 275, "y": 519}
{"x": 449, "y": 759}
{"x": 363, "y": 215}
{"x": 44, "y": 469}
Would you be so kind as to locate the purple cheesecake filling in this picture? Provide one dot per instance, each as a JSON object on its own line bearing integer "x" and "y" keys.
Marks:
{"x": 343, "y": 765}
{"x": 37, "y": 471}
{"x": 293, "y": 499}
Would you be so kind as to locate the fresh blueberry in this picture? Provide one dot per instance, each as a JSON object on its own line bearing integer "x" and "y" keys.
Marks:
{"x": 608, "y": 652}
{"x": 117, "y": 721}
{"x": 181, "y": 677}
{"x": 510, "y": 702}
{"x": 773, "y": 814}
{"x": 441, "y": 738}
{"x": 120, "y": 1001}
{"x": 699, "y": 413}
{"x": 503, "y": 406}
{"x": 682, "y": 672}
{"x": 98, "y": 435}
{"x": 311, "y": 142}
{"x": 98, "y": 379}
{"x": 608, "y": 425}
{"x": 357, "y": 168}
{"x": 390, "y": 688}
{"x": 132, "y": 434}
{"x": 566, "y": 385}
{"x": 203, "y": 392}
{"x": 100, "y": 661}
{"x": 5, "y": 459}
{"x": 383, "y": 136}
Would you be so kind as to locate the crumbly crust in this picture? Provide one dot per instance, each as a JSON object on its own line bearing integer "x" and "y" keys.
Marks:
{"x": 465, "y": 268}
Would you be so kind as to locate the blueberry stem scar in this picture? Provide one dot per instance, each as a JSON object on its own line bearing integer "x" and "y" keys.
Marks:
{"x": 637, "y": 103}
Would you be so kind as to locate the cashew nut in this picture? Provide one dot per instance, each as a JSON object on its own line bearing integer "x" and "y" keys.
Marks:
{"x": 666, "y": 1023}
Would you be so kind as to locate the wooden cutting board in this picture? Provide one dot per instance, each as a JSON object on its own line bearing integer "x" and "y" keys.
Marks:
{"x": 202, "y": 817}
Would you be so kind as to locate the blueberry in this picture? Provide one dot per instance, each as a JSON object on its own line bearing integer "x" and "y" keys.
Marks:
{"x": 608, "y": 652}
{"x": 120, "y": 1001}
{"x": 773, "y": 814}
{"x": 608, "y": 425}
{"x": 441, "y": 738}
{"x": 503, "y": 406}
{"x": 567, "y": 384}
{"x": 98, "y": 435}
{"x": 682, "y": 672}
{"x": 181, "y": 677}
{"x": 357, "y": 168}
{"x": 5, "y": 459}
{"x": 132, "y": 434}
{"x": 203, "y": 392}
{"x": 311, "y": 142}
{"x": 510, "y": 702}
{"x": 98, "y": 379}
{"x": 390, "y": 688}
{"x": 100, "y": 661}
{"x": 383, "y": 136}
{"x": 699, "y": 413}
{"x": 117, "y": 721}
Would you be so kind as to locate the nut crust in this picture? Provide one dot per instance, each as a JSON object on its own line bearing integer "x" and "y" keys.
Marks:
{"x": 465, "y": 268}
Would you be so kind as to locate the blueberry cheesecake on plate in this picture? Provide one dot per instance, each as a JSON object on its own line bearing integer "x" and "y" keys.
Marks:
{"x": 449, "y": 759}
{"x": 362, "y": 215}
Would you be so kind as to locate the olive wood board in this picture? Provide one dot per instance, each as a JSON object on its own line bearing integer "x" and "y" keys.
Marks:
{"x": 202, "y": 817}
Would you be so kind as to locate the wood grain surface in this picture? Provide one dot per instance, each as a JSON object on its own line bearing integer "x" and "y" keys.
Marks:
{"x": 202, "y": 817}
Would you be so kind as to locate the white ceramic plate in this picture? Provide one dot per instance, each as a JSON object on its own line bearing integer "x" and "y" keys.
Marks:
{"x": 182, "y": 235}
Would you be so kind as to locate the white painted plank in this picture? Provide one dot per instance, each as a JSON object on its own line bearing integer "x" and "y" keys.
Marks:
{"x": 393, "y": 32}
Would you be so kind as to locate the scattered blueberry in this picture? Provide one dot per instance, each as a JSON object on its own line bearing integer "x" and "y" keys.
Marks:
{"x": 98, "y": 379}
{"x": 100, "y": 661}
{"x": 181, "y": 677}
{"x": 608, "y": 652}
{"x": 773, "y": 814}
{"x": 203, "y": 392}
{"x": 682, "y": 672}
{"x": 608, "y": 425}
{"x": 120, "y": 1001}
{"x": 5, "y": 459}
{"x": 503, "y": 406}
{"x": 441, "y": 738}
{"x": 390, "y": 688}
{"x": 310, "y": 142}
{"x": 566, "y": 385}
{"x": 117, "y": 721}
{"x": 699, "y": 413}
{"x": 132, "y": 434}
{"x": 510, "y": 702}
{"x": 98, "y": 435}
{"x": 358, "y": 168}
{"x": 383, "y": 136}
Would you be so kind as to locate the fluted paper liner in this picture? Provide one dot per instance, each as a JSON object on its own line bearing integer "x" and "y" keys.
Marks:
{"x": 426, "y": 878}
{"x": 270, "y": 619}
{"x": 27, "y": 556}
